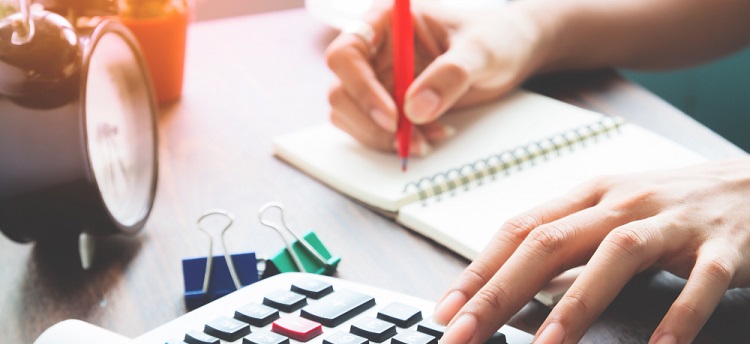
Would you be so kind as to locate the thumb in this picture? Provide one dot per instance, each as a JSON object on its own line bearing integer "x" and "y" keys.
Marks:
{"x": 445, "y": 80}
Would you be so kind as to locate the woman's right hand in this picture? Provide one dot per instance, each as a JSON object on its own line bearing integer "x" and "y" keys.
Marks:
{"x": 462, "y": 57}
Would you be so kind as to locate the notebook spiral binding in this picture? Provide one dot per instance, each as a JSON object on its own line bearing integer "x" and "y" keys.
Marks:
{"x": 511, "y": 160}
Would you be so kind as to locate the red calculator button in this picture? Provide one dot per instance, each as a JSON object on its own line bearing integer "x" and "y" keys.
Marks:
{"x": 299, "y": 329}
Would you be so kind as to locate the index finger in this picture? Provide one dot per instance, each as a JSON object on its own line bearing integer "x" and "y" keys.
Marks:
{"x": 502, "y": 246}
{"x": 349, "y": 57}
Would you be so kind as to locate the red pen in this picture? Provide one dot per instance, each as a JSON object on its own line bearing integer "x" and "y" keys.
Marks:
{"x": 403, "y": 71}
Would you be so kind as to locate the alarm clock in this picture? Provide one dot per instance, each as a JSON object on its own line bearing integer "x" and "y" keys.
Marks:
{"x": 78, "y": 134}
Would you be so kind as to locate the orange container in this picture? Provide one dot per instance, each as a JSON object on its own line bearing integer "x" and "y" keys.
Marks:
{"x": 162, "y": 40}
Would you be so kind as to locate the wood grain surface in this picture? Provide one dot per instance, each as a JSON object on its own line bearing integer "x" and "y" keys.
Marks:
{"x": 247, "y": 80}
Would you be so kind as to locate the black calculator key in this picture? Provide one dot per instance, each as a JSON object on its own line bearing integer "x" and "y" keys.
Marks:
{"x": 432, "y": 328}
{"x": 345, "y": 338}
{"x": 265, "y": 337}
{"x": 413, "y": 337}
{"x": 373, "y": 329}
{"x": 256, "y": 314}
{"x": 285, "y": 301}
{"x": 312, "y": 288}
{"x": 400, "y": 314}
{"x": 226, "y": 328}
{"x": 197, "y": 337}
{"x": 497, "y": 338}
{"x": 335, "y": 309}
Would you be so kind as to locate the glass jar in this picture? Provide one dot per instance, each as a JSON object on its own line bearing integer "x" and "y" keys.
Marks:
{"x": 161, "y": 29}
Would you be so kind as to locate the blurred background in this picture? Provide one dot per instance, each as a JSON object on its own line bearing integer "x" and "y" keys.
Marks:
{"x": 716, "y": 94}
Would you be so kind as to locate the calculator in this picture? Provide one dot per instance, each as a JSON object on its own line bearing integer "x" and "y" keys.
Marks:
{"x": 295, "y": 308}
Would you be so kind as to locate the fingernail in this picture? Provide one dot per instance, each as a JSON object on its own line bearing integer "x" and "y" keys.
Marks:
{"x": 667, "y": 339}
{"x": 448, "y": 307}
{"x": 422, "y": 107}
{"x": 449, "y": 131}
{"x": 420, "y": 148}
{"x": 383, "y": 120}
{"x": 461, "y": 331}
{"x": 436, "y": 133}
{"x": 552, "y": 334}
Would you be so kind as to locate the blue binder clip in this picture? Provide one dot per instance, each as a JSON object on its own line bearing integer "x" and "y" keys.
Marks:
{"x": 303, "y": 254}
{"x": 206, "y": 281}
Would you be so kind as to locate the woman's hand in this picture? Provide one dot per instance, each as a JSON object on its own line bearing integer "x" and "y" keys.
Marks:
{"x": 693, "y": 222}
{"x": 461, "y": 58}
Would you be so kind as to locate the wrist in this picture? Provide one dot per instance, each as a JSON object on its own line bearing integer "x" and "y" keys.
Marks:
{"x": 551, "y": 50}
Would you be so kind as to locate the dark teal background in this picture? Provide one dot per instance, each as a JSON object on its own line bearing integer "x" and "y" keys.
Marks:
{"x": 715, "y": 94}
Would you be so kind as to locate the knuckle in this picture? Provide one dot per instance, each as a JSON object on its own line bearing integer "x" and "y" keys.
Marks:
{"x": 685, "y": 310}
{"x": 493, "y": 297}
{"x": 478, "y": 273}
{"x": 628, "y": 242}
{"x": 719, "y": 269}
{"x": 455, "y": 72}
{"x": 335, "y": 94}
{"x": 550, "y": 238}
{"x": 519, "y": 227}
{"x": 577, "y": 303}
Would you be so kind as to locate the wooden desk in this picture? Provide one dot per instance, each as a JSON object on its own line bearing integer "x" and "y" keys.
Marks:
{"x": 247, "y": 80}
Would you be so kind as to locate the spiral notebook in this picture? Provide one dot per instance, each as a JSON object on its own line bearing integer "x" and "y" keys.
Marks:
{"x": 507, "y": 157}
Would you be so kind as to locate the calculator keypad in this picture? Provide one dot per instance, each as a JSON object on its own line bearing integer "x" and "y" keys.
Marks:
{"x": 331, "y": 308}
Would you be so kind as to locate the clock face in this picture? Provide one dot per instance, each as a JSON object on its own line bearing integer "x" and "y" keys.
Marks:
{"x": 120, "y": 129}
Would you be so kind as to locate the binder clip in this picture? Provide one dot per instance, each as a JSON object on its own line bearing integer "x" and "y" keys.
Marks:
{"x": 303, "y": 254}
{"x": 211, "y": 277}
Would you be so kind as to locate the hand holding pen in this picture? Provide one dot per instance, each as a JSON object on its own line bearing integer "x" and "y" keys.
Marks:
{"x": 458, "y": 62}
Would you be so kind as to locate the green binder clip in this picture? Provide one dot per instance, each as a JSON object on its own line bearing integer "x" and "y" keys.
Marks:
{"x": 303, "y": 254}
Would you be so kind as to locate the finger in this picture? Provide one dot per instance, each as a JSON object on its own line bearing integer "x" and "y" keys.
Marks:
{"x": 446, "y": 80}
{"x": 348, "y": 56}
{"x": 419, "y": 145}
{"x": 347, "y": 116}
{"x": 437, "y": 131}
{"x": 544, "y": 253}
{"x": 708, "y": 282}
{"x": 504, "y": 243}
{"x": 624, "y": 252}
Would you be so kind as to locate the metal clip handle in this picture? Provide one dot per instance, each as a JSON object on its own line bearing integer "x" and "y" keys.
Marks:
{"x": 209, "y": 258}
{"x": 284, "y": 227}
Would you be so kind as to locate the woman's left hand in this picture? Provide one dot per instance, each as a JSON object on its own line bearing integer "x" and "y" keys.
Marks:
{"x": 693, "y": 222}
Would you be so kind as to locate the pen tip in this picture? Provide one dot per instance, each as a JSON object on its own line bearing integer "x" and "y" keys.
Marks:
{"x": 403, "y": 164}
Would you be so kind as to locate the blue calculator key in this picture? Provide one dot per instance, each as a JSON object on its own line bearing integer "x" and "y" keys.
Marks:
{"x": 285, "y": 301}
{"x": 432, "y": 328}
{"x": 373, "y": 329}
{"x": 312, "y": 288}
{"x": 335, "y": 309}
{"x": 400, "y": 314}
{"x": 265, "y": 337}
{"x": 256, "y": 314}
{"x": 413, "y": 337}
{"x": 345, "y": 338}
{"x": 197, "y": 337}
{"x": 226, "y": 328}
